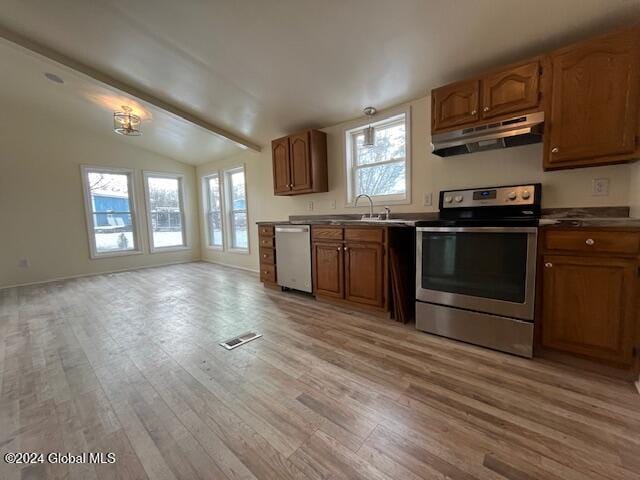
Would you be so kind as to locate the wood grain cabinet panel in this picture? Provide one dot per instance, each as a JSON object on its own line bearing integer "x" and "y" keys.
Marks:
{"x": 328, "y": 269}
{"x": 593, "y": 241}
{"x": 594, "y": 105}
{"x": 455, "y": 105}
{"x": 281, "y": 166}
{"x": 267, "y": 273}
{"x": 364, "y": 264}
{"x": 300, "y": 163}
{"x": 511, "y": 91}
{"x": 589, "y": 307}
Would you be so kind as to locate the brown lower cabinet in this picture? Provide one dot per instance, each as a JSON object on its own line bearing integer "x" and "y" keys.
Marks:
{"x": 267, "y": 252}
{"x": 349, "y": 264}
{"x": 590, "y": 294}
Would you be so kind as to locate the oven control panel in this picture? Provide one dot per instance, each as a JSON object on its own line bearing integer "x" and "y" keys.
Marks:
{"x": 491, "y": 197}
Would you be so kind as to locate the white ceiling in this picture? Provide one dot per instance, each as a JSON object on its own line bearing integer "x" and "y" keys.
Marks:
{"x": 263, "y": 68}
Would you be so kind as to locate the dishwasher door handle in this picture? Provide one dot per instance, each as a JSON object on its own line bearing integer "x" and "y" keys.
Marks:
{"x": 292, "y": 229}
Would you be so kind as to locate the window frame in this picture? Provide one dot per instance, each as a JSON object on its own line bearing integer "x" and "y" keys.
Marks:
{"x": 89, "y": 213}
{"x": 349, "y": 150}
{"x": 206, "y": 205}
{"x": 228, "y": 210}
{"x": 146, "y": 174}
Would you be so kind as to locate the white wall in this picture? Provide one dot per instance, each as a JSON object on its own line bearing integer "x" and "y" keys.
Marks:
{"x": 430, "y": 173}
{"x": 42, "y": 215}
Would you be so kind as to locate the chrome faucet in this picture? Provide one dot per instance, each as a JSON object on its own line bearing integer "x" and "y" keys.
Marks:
{"x": 370, "y": 204}
{"x": 387, "y": 213}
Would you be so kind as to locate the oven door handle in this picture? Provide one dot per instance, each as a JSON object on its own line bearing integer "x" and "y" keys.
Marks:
{"x": 479, "y": 229}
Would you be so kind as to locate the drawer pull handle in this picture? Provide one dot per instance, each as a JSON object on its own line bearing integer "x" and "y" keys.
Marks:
{"x": 555, "y": 150}
{"x": 548, "y": 265}
{"x": 485, "y": 109}
{"x": 473, "y": 112}
{"x": 590, "y": 241}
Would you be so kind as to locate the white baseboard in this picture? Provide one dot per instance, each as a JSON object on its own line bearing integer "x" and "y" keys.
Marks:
{"x": 230, "y": 265}
{"x": 93, "y": 274}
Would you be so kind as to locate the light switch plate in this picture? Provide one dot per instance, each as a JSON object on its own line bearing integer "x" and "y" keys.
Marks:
{"x": 332, "y": 205}
{"x": 600, "y": 187}
{"x": 428, "y": 199}
{"x": 310, "y": 206}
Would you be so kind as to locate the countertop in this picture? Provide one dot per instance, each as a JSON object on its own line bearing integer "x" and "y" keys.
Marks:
{"x": 589, "y": 217}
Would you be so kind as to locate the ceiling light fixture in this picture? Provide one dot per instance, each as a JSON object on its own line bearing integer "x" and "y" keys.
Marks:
{"x": 369, "y": 132}
{"x": 126, "y": 123}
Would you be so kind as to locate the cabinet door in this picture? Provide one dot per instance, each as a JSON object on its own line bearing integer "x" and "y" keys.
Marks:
{"x": 511, "y": 91}
{"x": 364, "y": 277}
{"x": 594, "y": 100}
{"x": 454, "y": 105}
{"x": 588, "y": 307}
{"x": 328, "y": 269}
{"x": 281, "y": 172}
{"x": 300, "y": 162}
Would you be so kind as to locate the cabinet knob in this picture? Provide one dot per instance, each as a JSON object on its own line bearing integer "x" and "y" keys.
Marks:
{"x": 264, "y": 256}
{"x": 338, "y": 249}
{"x": 346, "y": 248}
{"x": 485, "y": 109}
{"x": 548, "y": 265}
{"x": 555, "y": 150}
{"x": 473, "y": 112}
{"x": 589, "y": 241}
{"x": 266, "y": 272}
{"x": 291, "y": 185}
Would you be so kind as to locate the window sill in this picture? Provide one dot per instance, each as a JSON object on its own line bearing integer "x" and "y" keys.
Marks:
{"x": 216, "y": 249}
{"x": 98, "y": 256}
{"x": 240, "y": 251}
{"x": 170, "y": 249}
{"x": 378, "y": 203}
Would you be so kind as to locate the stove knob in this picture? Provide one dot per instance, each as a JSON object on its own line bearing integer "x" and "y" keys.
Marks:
{"x": 448, "y": 199}
{"x": 512, "y": 196}
{"x": 525, "y": 194}
{"x": 458, "y": 198}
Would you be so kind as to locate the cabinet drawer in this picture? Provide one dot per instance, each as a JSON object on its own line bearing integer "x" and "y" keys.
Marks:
{"x": 364, "y": 234}
{"x": 266, "y": 242}
{"x": 265, "y": 230}
{"x": 267, "y": 273}
{"x": 267, "y": 255}
{"x": 326, "y": 233}
{"x": 626, "y": 243}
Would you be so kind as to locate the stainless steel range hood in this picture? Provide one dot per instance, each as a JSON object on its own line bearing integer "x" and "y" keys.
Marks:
{"x": 516, "y": 131}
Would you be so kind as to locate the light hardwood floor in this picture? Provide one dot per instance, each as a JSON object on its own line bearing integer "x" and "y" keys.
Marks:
{"x": 130, "y": 363}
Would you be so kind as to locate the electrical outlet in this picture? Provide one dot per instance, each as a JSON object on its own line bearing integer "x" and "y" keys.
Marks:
{"x": 600, "y": 187}
{"x": 24, "y": 263}
{"x": 332, "y": 205}
{"x": 428, "y": 199}
{"x": 310, "y": 206}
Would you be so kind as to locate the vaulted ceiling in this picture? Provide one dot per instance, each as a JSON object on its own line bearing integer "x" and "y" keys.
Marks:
{"x": 261, "y": 68}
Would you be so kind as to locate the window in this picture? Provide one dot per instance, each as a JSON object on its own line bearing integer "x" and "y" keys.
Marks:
{"x": 110, "y": 208}
{"x": 236, "y": 209}
{"x": 382, "y": 171}
{"x": 165, "y": 211}
{"x": 213, "y": 210}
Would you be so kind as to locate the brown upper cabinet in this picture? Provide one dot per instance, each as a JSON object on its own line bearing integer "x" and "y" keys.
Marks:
{"x": 512, "y": 91}
{"x": 455, "y": 105}
{"x": 300, "y": 163}
{"x": 588, "y": 91}
{"x": 505, "y": 92}
{"x": 593, "y": 113}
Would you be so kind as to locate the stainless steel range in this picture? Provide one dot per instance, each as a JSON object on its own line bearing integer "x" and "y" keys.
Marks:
{"x": 476, "y": 267}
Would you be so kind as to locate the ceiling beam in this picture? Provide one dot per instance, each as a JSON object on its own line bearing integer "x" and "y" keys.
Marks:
{"x": 104, "y": 78}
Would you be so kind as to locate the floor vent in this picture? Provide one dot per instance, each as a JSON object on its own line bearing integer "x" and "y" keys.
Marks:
{"x": 240, "y": 340}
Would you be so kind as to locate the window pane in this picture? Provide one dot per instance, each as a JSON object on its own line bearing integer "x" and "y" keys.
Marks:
{"x": 109, "y": 192}
{"x": 165, "y": 211}
{"x": 389, "y": 145}
{"x": 238, "y": 198}
{"x": 239, "y": 231}
{"x": 113, "y": 232}
{"x": 214, "y": 194}
{"x": 215, "y": 229}
{"x": 387, "y": 179}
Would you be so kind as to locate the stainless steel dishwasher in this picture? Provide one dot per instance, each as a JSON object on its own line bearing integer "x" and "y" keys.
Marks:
{"x": 293, "y": 256}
